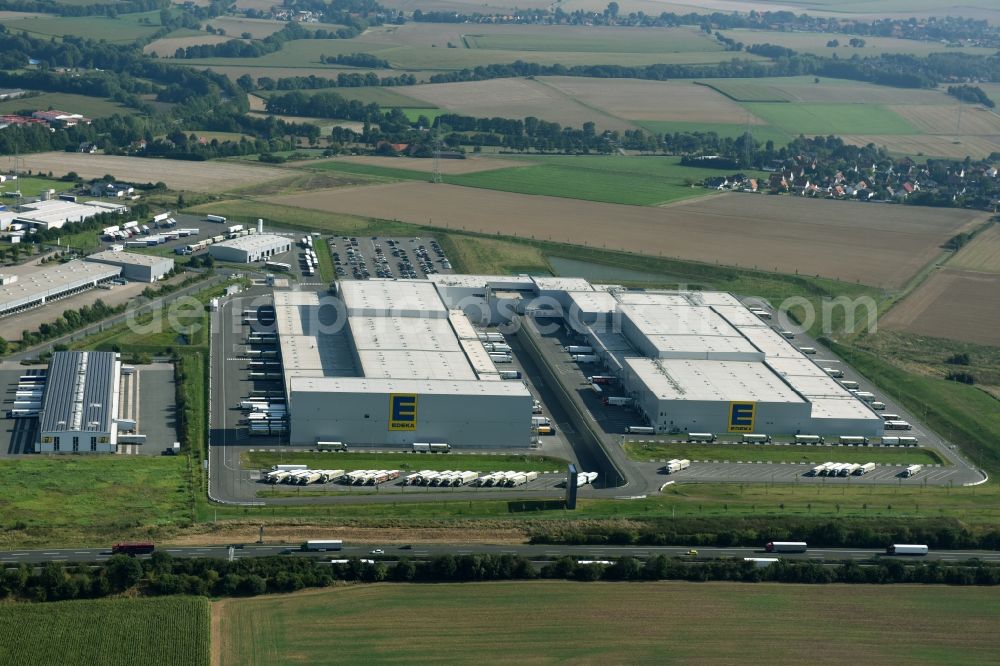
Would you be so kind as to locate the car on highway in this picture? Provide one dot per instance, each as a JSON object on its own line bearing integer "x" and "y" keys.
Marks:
{"x": 377, "y": 551}
{"x": 406, "y": 546}
{"x": 693, "y": 553}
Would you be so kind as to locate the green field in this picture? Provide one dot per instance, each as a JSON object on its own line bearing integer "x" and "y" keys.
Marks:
{"x": 813, "y": 118}
{"x": 550, "y": 622}
{"x": 405, "y": 461}
{"x": 110, "y": 632}
{"x": 32, "y": 186}
{"x": 813, "y": 455}
{"x": 760, "y": 133}
{"x": 603, "y": 41}
{"x": 119, "y": 30}
{"x": 815, "y": 43}
{"x": 113, "y": 497}
{"x": 371, "y": 170}
{"x": 92, "y": 107}
{"x": 824, "y": 90}
{"x": 643, "y": 181}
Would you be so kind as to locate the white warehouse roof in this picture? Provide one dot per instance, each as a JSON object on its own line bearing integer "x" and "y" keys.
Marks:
{"x": 402, "y": 364}
{"x": 254, "y": 242}
{"x": 403, "y": 298}
{"x": 678, "y": 320}
{"x": 51, "y": 281}
{"x": 403, "y": 333}
{"x": 421, "y": 386}
{"x": 684, "y": 379}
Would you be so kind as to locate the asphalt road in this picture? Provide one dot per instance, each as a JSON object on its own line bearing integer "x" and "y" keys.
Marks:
{"x": 535, "y": 552}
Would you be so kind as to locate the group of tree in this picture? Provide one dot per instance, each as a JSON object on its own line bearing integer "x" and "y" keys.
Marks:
{"x": 971, "y": 94}
{"x": 163, "y": 574}
{"x": 71, "y": 320}
{"x": 355, "y": 60}
{"x": 313, "y": 82}
{"x": 255, "y": 48}
{"x": 937, "y": 533}
{"x": 110, "y": 9}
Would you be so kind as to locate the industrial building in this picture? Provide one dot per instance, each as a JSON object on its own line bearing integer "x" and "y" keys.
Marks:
{"x": 390, "y": 364}
{"x": 55, "y": 213}
{"x": 136, "y": 267}
{"x": 80, "y": 406}
{"x": 688, "y": 361}
{"x": 248, "y": 249}
{"x": 39, "y": 285}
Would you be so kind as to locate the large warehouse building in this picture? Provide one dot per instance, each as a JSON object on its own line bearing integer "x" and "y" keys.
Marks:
{"x": 689, "y": 361}
{"x": 248, "y": 249}
{"x": 80, "y": 406}
{"x": 136, "y": 267}
{"x": 36, "y": 286}
{"x": 54, "y": 213}
{"x": 392, "y": 365}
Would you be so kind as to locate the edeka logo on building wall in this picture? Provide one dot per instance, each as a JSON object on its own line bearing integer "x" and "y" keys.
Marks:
{"x": 742, "y": 416}
{"x": 402, "y": 411}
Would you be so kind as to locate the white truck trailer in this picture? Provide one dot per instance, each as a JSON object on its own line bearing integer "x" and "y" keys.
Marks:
{"x": 906, "y": 549}
{"x": 864, "y": 469}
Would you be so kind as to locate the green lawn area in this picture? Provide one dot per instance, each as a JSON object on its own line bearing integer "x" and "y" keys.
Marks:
{"x": 32, "y": 186}
{"x": 650, "y": 623}
{"x": 816, "y": 118}
{"x": 814, "y": 455}
{"x": 371, "y": 170}
{"x": 92, "y": 107}
{"x": 112, "y": 497}
{"x": 597, "y": 40}
{"x": 760, "y": 133}
{"x": 405, "y": 461}
{"x": 117, "y": 30}
{"x": 111, "y": 632}
{"x": 640, "y": 181}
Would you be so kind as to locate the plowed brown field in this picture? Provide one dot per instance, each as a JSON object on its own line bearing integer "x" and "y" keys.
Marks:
{"x": 879, "y": 245}
{"x": 954, "y": 304}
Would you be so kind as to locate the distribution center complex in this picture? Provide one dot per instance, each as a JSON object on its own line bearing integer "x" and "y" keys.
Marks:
{"x": 400, "y": 361}
{"x": 80, "y": 408}
{"x": 137, "y": 267}
{"x": 248, "y": 249}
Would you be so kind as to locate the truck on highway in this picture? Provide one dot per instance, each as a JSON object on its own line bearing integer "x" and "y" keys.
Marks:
{"x": 323, "y": 545}
{"x": 906, "y": 549}
{"x": 133, "y": 548}
{"x": 786, "y": 547}
{"x": 864, "y": 469}
{"x": 584, "y": 358}
{"x": 912, "y": 470}
{"x": 700, "y": 437}
{"x": 616, "y": 401}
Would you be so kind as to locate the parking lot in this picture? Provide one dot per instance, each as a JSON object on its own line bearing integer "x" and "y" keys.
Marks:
{"x": 378, "y": 257}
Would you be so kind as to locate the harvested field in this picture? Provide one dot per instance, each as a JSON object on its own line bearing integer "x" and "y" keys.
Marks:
{"x": 257, "y": 69}
{"x": 943, "y": 119}
{"x": 982, "y": 254}
{"x": 514, "y": 98}
{"x": 876, "y": 245}
{"x": 177, "y": 174}
{"x": 448, "y": 167}
{"x": 930, "y": 145}
{"x": 955, "y": 304}
{"x": 235, "y": 26}
{"x": 165, "y": 47}
{"x": 558, "y": 622}
{"x": 634, "y": 99}
{"x": 325, "y": 124}
{"x": 815, "y": 42}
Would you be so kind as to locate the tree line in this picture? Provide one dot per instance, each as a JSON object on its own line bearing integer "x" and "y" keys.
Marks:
{"x": 937, "y": 533}
{"x": 109, "y": 9}
{"x": 163, "y": 574}
{"x": 971, "y": 94}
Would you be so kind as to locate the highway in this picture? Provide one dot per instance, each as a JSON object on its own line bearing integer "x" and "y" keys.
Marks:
{"x": 533, "y": 552}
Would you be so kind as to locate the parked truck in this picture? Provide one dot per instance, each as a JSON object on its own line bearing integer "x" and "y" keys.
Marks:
{"x": 218, "y": 219}
{"x": 836, "y": 373}
{"x": 853, "y": 440}
{"x": 751, "y": 438}
{"x": 912, "y": 470}
{"x": 700, "y": 437}
{"x": 616, "y": 401}
{"x": 676, "y": 465}
{"x": 849, "y": 469}
{"x": 819, "y": 470}
{"x": 579, "y": 349}
{"x": 601, "y": 379}
{"x": 864, "y": 469}
{"x": 584, "y": 358}
{"x": 809, "y": 439}
{"x": 510, "y": 374}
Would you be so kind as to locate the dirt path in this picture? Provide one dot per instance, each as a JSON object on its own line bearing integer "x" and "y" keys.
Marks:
{"x": 217, "y": 608}
{"x": 295, "y": 534}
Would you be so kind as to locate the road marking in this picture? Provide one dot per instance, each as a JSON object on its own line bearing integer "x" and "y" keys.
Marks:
{"x": 81, "y": 552}
{"x": 50, "y": 553}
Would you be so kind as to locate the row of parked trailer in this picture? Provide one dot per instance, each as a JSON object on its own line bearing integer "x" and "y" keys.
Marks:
{"x": 842, "y": 469}
{"x": 308, "y": 258}
{"x": 28, "y": 396}
{"x": 676, "y": 465}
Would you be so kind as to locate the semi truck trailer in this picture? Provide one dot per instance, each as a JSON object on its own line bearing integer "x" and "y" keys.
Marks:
{"x": 786, "y": 547}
